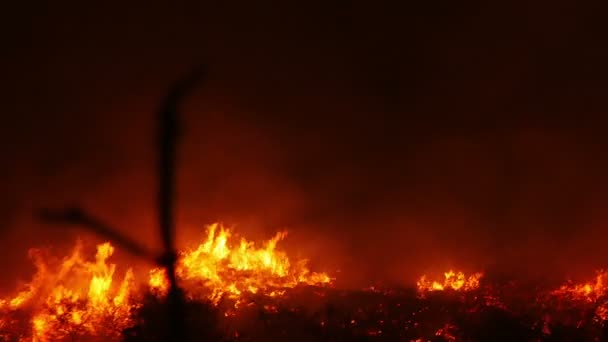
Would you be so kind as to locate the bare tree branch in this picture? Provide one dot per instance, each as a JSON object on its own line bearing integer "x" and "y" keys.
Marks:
{"x": 168, "y": 134}
{"x": 168, "y": 137}
{"x": 77, "y": 217}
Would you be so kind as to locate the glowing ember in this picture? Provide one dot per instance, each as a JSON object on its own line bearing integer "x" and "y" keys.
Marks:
{"x": 601, "y": 313}
{"x": 452, "y": 280}
{"x": 593, "y": 293}
{"x": 447, "y": 332}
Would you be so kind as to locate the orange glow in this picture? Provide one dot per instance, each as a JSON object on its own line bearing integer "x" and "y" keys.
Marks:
{"x": 456, "y": 281}
{"x": 601, "y": 313}
{"x": 447, "y": 332}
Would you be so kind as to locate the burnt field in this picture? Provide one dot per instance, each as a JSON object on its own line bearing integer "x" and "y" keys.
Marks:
{"x": 496, "y": 313}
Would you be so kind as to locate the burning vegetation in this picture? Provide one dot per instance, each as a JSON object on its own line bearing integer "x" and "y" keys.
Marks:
{"x": 255, "y": 292}
{"x": 217, "y": 269}
{"x": 243, "y": 291}
{"x": 75, "y": 297}
{"x": 453, "y": 280}
{"x": 70, "y": 297}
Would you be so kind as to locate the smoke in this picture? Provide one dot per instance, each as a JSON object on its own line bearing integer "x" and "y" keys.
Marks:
{"x": 385, "y": 152}
{"x": 523, "y": 199}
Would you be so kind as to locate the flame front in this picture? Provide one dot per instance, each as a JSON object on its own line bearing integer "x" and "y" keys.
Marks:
{"x": 227, "y": 270}
{"x": 89, "y": 299}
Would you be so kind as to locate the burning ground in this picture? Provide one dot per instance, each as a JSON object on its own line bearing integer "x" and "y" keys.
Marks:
{"x": 240, "y": 290}
{"x": 75, "y": 297}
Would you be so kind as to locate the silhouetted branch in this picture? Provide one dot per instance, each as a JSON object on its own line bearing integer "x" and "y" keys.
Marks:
{"x": 168, "y": 135}
{"x": 76, "y": 216}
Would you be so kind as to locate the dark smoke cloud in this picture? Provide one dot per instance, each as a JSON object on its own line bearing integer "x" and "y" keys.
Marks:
{"x": 389, "y": 140}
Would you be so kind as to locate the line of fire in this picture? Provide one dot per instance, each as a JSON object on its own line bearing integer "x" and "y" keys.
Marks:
{"x": 239, "y": 290}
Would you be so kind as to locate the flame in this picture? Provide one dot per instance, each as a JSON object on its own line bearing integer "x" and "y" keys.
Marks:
{"x": 76, "y": 297}
{"x": 456, "y": 281}
{"x": 592, "y": 292}
{"x": 82, "y": 298}
{"x": 588, "y": 291}
{"x": 158, "y": 282}
{"x": 224, "y": 269}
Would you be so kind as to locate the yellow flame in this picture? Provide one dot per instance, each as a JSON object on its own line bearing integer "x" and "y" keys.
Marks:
{"x": 456, "y": 281}
{"x": 74, "y": 297}
{"x": 589, "y": 291}
{"x": 228, "y": 270}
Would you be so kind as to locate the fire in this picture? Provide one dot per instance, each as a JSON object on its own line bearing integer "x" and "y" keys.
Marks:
{"x": 77, "y": 297}
{"x": 589, "y": 291}
{"x": 158, "y": 282}
{"x": 593, "y": 293}
{"x": 456, "y": 281}
{"x": 74, "y": 296}
{"x": 231, "y": 270}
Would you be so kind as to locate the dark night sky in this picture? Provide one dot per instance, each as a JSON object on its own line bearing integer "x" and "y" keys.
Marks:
{"x": 388, "y": 139}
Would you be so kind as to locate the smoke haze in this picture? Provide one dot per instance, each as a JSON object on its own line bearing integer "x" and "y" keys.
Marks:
{"x": 388, "y": 140}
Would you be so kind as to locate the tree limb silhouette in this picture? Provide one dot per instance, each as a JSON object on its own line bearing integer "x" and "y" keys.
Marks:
{"x": 169, "y": 133}
{"x": 77, "y": 217}
{"x": 168, "y": 136}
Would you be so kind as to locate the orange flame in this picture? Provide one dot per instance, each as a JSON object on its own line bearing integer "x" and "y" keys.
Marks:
{"x": 76, "y": 297}
{"x": 589, "y": 291}
{"x": 456, "y": 281}
{"x": 227, "y": 270}
{"x": 592, "y": 292}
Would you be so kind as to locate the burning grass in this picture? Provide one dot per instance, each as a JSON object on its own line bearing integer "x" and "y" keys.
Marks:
{"x": 70, "y": 296}
{"x": 76, "y": 297}
{"x": 217, "y": 268}
{"x": 456, "y": 281}
{"x": 248, "y": 292}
